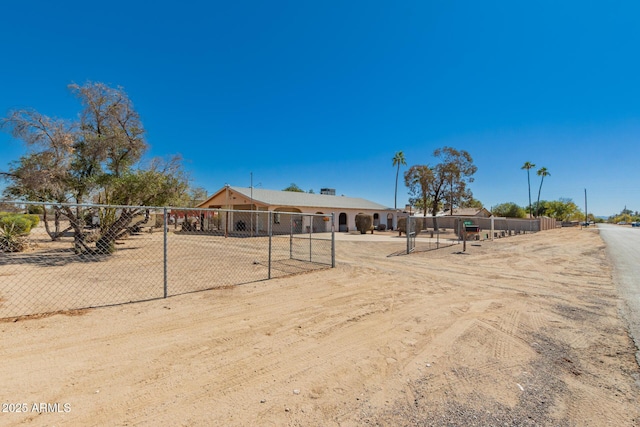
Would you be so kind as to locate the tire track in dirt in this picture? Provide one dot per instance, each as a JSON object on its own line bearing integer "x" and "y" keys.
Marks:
{"x": 233, "y": 382}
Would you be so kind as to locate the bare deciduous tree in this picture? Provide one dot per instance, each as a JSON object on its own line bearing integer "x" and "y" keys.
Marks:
{"x": 96, "y": 158}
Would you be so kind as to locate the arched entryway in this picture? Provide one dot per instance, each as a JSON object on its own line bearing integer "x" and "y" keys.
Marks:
{"x": 342, "y": 222}
{"x": 389, "y": 221}
{"x": 376, "y": 219}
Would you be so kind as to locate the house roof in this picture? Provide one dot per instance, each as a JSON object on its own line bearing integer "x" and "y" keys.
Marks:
{"x": 468, "y": 211}
{"x": 296, "y": 199}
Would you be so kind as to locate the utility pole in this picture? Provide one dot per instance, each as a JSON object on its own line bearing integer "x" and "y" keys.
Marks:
{"x": 586, "y": 212}
{"x": 226, "y": 216}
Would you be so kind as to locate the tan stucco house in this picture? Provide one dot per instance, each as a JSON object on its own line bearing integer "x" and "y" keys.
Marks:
{"x": 344, "y": 208}
{"x": 475, "y": 212}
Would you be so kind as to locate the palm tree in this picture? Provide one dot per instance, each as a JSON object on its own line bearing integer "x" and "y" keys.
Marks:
{"x": 398, "y": 160}
{"x": 542, "y": 172}
{"x": 527, "y": 166}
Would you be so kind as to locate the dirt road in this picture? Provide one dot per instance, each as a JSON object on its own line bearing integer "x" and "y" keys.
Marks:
{"x": 521, "y": 331}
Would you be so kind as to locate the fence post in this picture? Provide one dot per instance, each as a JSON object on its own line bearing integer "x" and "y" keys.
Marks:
{"x": 464, "y": 239}
{"x": 311, "y": 218}
{"x": 270, "y": 231}
{"x": 166, "y": 224}
{"x": 333, "y": 240}
{"x": 492, "y": 227}
{"x": 290, "y": 236}
{"x": 407, "y": 227}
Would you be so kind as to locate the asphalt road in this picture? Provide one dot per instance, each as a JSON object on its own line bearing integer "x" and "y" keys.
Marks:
{"x": 623, "y": 248}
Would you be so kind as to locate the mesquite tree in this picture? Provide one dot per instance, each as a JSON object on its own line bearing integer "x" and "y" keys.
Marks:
{"x": 431, "y": 187}
{"x": 95, "y": 158}
{"x": 457, "y": 169}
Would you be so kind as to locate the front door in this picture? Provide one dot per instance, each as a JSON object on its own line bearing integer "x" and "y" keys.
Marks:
{"x": 342, "y": 222}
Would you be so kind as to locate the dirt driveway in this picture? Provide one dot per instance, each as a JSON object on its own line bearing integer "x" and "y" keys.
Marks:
{"x": 520, "y": 331}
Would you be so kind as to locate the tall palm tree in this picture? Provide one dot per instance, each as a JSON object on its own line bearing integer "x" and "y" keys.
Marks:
{"x": 527, "y": 166}
{"x": 398, "y": 160}
{"x": 542, "y": 172}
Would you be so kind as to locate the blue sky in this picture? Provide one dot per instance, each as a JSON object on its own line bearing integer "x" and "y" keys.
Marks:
{"x": 322, "y": 94}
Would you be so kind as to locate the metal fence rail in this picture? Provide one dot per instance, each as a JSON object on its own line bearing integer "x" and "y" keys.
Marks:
{"x": 79, "y": 256}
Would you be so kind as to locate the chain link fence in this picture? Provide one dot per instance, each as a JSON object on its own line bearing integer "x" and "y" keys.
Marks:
{"x": 429, "y": 233}
{"x": 80, "y": 256}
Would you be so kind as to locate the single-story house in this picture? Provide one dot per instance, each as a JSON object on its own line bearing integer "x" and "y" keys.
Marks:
{"x": 471, "y": 212}
{"x": 344, "y": 208}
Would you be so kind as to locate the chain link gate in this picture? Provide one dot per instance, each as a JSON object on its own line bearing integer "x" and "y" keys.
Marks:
{"x": 411, "y": 234}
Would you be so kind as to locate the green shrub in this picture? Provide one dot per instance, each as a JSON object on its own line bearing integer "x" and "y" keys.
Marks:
{"x": 35, "y": 220}
{"x": 12, "y": 236}
{"x": 18, "y": 224}
{"x": 509, "y": 210}
{"x": 35, "y": 209}
{"x": 13, "y": 230}
{"x": 364, "y": 223}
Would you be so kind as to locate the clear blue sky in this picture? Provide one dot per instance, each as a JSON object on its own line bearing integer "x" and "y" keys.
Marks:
{"x": 322, "y": 94}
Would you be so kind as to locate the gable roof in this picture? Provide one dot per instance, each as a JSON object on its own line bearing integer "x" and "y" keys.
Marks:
{"x": 469, "y": 212}
{"x": 295, "y": 199}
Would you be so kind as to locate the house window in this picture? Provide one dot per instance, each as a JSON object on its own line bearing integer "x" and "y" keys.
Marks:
{"x": 276, "y": 218}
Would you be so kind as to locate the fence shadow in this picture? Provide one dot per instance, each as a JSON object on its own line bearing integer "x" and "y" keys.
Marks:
{"x": 53, "y": 257}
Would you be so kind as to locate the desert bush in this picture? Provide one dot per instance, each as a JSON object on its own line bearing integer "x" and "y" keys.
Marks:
{"x": 364, "y": 223}
{"x": 402, "y": 225}
{"x": 382, "y": 227}
{"x": 418, "y": 225}
{"x": 11, "y": 242}
{"x": 35, "y": 209}
{"x": 105, "y": 246}
{"x": 35, "y": 220}
{"x": 509, "y": 210}
{"x": 16, "y": 224}
{"x": 13, "y": 230}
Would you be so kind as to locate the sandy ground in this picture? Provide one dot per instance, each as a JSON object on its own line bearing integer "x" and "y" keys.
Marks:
{"x": 50, "y": 277}
{"x": 520, "y": 331}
